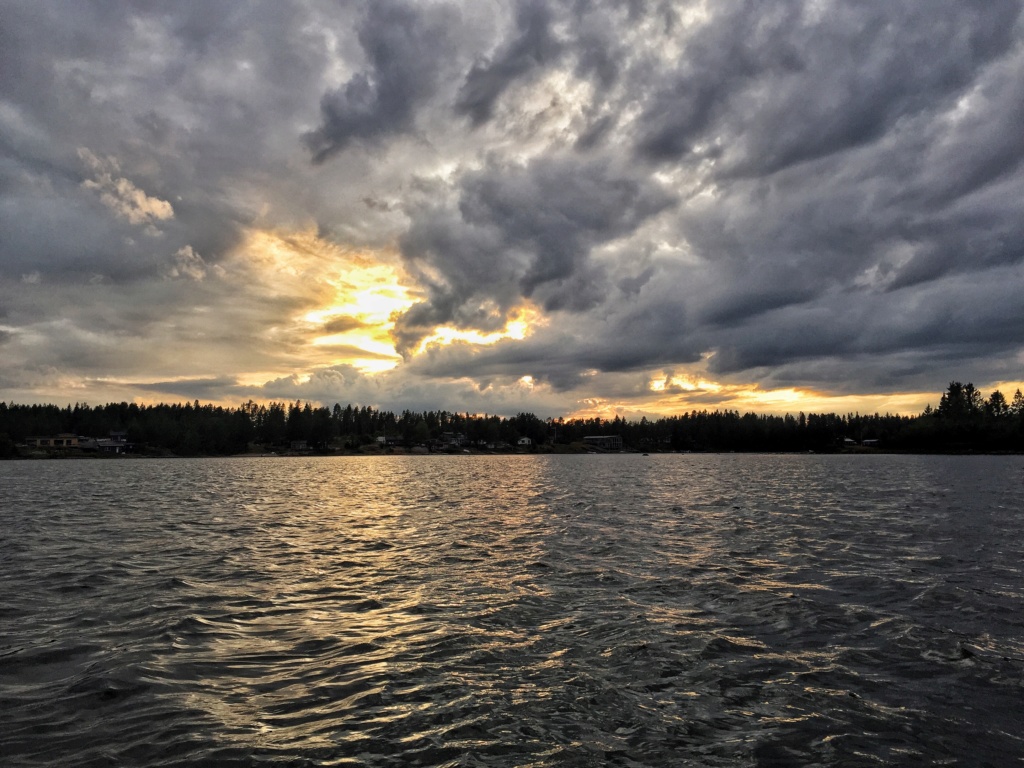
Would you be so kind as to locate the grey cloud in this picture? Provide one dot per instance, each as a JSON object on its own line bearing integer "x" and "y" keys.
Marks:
{"x": 403, "y": 44}
{"x": 175, "y": 128}
{"x": 397, "y": 390}
{"x": 523, "y": 232}
{"x": 595, "y": 133}
{"x": 961, "y": 243}
{"x": 63, "y": 234}
{"x": 553, "y": 358}
{"x": 744, "y": 303}
{"x": 558, "y": 210}
{"x": 632, "y": 284}
{"x": 627, "y": 339}
{"x": 838, "y": 228}
{"x": 784, "y": 85}
{"x": 600, "y": 49}
{"x": 655, "y": 331}
{"x": 975, "y": 322}
{"x": 533, "y": 47}
{"x": 795, "y": 333}
{"x": 198, "y": 388}
{"x": 343, "y": 323}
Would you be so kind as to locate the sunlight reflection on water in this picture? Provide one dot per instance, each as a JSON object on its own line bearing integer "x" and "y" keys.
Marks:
{"x": 549, "y": 610}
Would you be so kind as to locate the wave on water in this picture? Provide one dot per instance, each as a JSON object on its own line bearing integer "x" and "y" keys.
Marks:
{"x": 512, "y": 611}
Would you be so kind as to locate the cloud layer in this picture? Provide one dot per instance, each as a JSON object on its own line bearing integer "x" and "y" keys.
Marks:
{"x": 813, "y": 195}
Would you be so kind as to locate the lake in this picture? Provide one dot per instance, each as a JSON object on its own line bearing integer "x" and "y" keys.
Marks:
{"x": 705, "y": 610}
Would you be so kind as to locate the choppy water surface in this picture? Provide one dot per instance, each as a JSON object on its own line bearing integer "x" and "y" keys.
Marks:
{"x": 513, "y": 611}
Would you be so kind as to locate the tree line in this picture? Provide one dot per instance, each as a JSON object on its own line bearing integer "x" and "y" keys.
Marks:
{"x": 963, "y": 421}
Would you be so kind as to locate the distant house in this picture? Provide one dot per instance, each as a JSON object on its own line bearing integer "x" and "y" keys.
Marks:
{"x": 604, "y": 442}
{"x": 112, "y": 446}
{"x": 63, "y": 440}
{"x": 452, "y": 440}
{"x": 525, "y": 441}
{"x": 116, "y": 443}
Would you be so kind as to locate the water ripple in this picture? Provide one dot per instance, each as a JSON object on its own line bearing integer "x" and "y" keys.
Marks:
{"x": 512, "y": 611}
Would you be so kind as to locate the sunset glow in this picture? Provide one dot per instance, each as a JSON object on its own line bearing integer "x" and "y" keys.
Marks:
{"x": 524, "y": 320}
{"x": 355, "y": 296}
{"x": 687, "y": 397}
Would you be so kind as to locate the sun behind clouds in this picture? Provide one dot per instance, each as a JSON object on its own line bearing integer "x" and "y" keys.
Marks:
{"x": 347, "y": 301}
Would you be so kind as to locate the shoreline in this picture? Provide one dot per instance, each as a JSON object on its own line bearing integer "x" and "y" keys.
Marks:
{"x": 567, "y": 451}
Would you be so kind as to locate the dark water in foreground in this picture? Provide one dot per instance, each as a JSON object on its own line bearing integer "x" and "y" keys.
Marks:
{"x": 513, "y": 611}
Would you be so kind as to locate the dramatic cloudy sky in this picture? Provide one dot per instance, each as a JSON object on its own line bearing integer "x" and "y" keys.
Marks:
{"x": 562, "y": 207}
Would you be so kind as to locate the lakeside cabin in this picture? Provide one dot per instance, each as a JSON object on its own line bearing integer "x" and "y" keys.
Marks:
{"x": 117, "y": 442}
{"x": 604, "y": 442}
{"x": 63, "y": 440}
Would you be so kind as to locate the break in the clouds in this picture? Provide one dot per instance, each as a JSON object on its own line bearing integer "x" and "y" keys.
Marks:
{"x": 546, "y": 206}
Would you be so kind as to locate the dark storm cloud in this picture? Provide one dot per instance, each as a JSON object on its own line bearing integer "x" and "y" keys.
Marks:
{"x": 805, "y": 247}
{"x": 404, "y": 44}
{"x": 522, "y": 232}
{"x": 829, "y": 153}
{"x": 782, "y": 85}
{"x": 632, "y": 339}
{"x": 971, "y": 322}
{"x": 532, "y": 48}
{"x": 752, "y": 303}
{"x": 558, "y": 210}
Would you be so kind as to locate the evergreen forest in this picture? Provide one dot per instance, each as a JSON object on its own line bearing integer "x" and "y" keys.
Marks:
{"x": 964, "y": 421}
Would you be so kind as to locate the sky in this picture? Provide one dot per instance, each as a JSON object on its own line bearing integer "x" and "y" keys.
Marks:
{"x": 568, "y": 208}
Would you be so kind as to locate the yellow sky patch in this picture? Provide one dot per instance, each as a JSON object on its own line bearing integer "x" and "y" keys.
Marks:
{"x": 702, "y": 395}
{"x": 349, "y": 300}
{"x": 326, "y": 283}
{"x": 523, "y": 321}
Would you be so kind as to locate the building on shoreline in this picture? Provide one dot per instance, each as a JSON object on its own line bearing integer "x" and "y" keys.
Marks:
{"x": 604, "y": 442}
{"x": 63, "y": 440}
{"x": 116, "y": 443}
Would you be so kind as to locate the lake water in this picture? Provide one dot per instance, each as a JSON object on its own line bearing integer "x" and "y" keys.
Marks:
{"x": 706, "y": 610}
